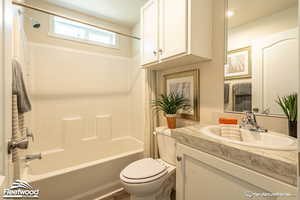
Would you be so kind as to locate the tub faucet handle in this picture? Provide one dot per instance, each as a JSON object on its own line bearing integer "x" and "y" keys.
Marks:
{"x": 29, "y": 134}
{"x": 20, "y": 144}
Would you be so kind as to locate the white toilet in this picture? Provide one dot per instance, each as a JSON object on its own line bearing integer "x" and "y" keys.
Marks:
{"x": 150, "y": 179}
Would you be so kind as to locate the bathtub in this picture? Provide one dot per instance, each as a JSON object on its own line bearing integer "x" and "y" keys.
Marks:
{"x": 82, "y": 174}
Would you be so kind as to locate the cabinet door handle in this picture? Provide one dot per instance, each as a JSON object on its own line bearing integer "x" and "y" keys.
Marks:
{"x": 179, "y": 158}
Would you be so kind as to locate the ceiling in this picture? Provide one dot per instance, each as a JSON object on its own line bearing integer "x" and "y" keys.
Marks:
{"x": 123, "y": 12}
{"x": 250, "y": 10}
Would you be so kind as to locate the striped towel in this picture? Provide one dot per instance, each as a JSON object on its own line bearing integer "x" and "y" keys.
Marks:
{"x": 16, "y": 134}
{"x": 22, "y": 128}
{"x": 231, "y": 132}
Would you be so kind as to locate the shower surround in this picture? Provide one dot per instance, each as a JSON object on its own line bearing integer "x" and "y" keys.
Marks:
{"x": 82, "y": 120}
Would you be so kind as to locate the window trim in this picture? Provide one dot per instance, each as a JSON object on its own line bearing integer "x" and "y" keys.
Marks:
{"x": 84, "y": 41}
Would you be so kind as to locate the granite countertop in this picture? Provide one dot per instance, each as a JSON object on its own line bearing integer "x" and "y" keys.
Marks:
{"x": 280, "y": 165}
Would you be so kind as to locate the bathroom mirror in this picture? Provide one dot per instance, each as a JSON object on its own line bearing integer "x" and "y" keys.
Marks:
{"x": 262, "y": 55}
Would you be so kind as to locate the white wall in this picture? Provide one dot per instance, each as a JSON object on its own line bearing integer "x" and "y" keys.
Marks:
{"x": 243, "y": 35}
{"x": 80, "y": 90}
{"x": 92, "y": 91}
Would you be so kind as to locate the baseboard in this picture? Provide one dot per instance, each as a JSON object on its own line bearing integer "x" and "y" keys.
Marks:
{"x": 97, "y": 192}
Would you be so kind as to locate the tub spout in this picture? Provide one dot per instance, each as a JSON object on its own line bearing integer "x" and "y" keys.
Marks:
{"x": 33, "y": 157}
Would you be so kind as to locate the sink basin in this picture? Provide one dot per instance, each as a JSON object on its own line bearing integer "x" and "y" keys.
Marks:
{"x": 269, "y": 140}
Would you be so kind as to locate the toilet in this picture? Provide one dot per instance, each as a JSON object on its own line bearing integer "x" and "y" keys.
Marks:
{"x": 152, "y": 179}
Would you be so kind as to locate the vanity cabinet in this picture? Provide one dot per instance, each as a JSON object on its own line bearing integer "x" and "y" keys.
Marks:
{"x": 201, "y": 176}
{"x": 175, "y": 32}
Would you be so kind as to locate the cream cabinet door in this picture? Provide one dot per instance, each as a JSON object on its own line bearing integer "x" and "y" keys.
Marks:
{"x": 200, "y": 176}
{"x": 149, "y": 32}
{"x": 173, "y": 28}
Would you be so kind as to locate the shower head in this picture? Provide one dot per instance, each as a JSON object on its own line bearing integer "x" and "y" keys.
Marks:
{"x": 35, "y": 23}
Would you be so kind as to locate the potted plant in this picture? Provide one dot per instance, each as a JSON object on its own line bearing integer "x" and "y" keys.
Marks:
{"x": 170, "y": 104}
{"x": 289, "y": 107}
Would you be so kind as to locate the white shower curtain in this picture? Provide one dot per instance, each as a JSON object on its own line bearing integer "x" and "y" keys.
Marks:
{"x": 20, "y": 53}
{"x": 20, "y": 42}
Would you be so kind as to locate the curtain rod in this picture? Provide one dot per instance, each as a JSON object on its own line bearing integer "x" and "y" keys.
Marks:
{"x": 70, "y": 18}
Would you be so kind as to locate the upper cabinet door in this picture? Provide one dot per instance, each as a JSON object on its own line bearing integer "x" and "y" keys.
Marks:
{"x": 149, "y": 32}
{"x": 173, "y": 28}
{"x": 175, "y": 32}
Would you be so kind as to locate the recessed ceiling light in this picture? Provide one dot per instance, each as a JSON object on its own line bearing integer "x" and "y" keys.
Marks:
{"x": 230, "y": 13}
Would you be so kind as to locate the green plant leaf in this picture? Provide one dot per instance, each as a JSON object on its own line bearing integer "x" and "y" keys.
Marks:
{"x": 289, "y": 106}
{"x": 170, "y": 104}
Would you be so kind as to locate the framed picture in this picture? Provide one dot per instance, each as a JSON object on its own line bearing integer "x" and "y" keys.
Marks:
{"x": 186, "y": 84}
{"x": 238, "y": 64}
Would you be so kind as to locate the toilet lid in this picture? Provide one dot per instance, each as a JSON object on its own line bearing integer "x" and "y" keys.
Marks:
{"x": 144, "y": 168}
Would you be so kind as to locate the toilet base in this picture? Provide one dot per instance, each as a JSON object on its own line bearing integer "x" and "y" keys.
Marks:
{"x": 163, "y": 194}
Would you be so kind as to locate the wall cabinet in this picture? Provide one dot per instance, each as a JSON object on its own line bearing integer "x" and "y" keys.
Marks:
{"x": 201, "y": 176}
{"x": 149, "y": 46}
{"x": 175, "y": 32}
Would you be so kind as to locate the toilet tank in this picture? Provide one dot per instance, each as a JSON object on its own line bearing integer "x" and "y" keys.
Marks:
{"x": 167, "y": 148}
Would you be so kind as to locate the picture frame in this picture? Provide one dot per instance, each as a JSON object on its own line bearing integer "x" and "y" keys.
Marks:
{"x": 185, "y": 83}
{"x": 239, "y": 64}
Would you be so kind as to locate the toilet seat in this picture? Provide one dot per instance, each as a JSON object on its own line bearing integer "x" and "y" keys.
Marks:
{"x": 143, "y": 171}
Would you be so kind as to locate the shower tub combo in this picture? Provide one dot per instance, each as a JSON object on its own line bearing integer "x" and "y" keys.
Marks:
{"x": 76, "y": 175}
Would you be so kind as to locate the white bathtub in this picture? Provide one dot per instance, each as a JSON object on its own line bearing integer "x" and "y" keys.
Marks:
{"x": 82, "y": 173}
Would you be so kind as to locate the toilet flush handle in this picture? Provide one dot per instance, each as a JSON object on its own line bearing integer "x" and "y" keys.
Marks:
{"x": 179, "y": 158}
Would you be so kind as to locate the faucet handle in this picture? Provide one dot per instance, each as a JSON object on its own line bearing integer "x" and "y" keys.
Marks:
{"x": 244, "y": 120}
{"x": 250, "y": 118}
{"x": 29, "y": 134}
{"x": 21, "y": 144}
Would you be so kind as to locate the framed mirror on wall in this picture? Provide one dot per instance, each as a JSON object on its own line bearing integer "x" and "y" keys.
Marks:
{"x": 262, "y": 55}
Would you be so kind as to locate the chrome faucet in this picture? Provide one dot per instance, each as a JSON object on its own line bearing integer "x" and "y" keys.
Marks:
{"x": 33, "y": 157}
{"x": 250, "y": 123}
